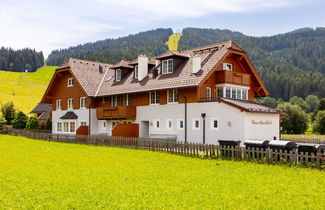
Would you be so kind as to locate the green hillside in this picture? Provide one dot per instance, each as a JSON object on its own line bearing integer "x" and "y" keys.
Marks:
{"x": 25, "y": 89}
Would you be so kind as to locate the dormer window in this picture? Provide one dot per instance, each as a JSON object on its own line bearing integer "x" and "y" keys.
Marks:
{"x": 167, "y": 66}
{"x": 136, "y": 72}
{"x": 70, "y": 82}
{"x": 118, "y": 75}
{"x": 227, "y": 66}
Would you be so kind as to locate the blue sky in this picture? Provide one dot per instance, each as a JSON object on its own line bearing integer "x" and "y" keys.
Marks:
{"x": 52, "y": 24}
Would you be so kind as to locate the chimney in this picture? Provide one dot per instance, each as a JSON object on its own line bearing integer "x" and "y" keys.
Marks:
{"x": 142, "y": 67}
{"x": 196, "y": 64}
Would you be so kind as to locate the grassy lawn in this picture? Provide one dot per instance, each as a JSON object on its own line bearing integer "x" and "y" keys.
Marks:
{"x": 25, "y": 89}
{"x": 40, "y": 174}
{"x": 172, "y": 43}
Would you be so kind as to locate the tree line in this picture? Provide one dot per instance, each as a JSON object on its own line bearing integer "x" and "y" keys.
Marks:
{"x": 301, "y": 113}
{"x": 20, "y": 60}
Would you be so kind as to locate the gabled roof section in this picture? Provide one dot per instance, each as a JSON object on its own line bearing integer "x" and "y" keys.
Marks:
{"x": 41, "y": 108}
{"x": 170, "y": 53}
{"x": 151, "y": 61}
{"x": 70, "y": 115}
{"x": 122, "y": 64}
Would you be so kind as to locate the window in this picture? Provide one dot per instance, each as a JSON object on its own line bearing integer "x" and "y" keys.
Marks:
{"x": 208, "y": 93}
{"x": 66, "y": 127}
{"x": 245, "y": 94}
{"x": 104, "y": 124}
{"x": 173, "y": 96}
{"x": 136, "y": 72}
{"x": 72, "y": 127}
{"x": 169, "y": 124}
{"x": 118, "y": 75}
{"x": 157, "y": 124}
{"x": 58, "y": 104}
{"x": 154, "y": 97}
{"x": 238, "y": 93}
{"x": 83, "y": 123}
{"x": 127, "y": 100}
{"x": 70, "y": 103}
{"x": 83, "y": 103}
{"x": 228, "y": 92}
{"x": 59, "y": 127}
{"x": 167, "y": 66}
{"x": 233, "y": 93}
{"x": 196, "y": 124}
{"x": 214, "y": 124}
{"x": 227, "y": 66}
{"x": 220, "y": 92}
{"x": 114, "y": 124}
{"x": 180, "y": 124}
{"x": 113, "y": 100}
{"x": 70, "y": 82}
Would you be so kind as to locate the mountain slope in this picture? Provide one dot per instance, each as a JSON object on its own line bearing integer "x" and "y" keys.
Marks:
{"x": 25, "y": 89}
{"x": 112, "y": 50}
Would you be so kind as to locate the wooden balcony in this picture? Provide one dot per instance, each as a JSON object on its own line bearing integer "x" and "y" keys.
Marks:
{"x": 116, "y": 113}
{"x": 231, "y": 77}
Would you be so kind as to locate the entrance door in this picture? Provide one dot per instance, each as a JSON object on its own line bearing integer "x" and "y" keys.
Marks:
{"x": 144, "y": 129}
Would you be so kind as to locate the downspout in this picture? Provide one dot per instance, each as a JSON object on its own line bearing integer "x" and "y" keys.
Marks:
{"x": 89, "y": 122}
{"x": 185, "y": 116}
{"x": 203, "y": 116}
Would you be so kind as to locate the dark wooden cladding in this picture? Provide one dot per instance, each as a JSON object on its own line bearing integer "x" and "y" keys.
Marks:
{"x": 230, "y": 77}
{"x": 116, "y": 113}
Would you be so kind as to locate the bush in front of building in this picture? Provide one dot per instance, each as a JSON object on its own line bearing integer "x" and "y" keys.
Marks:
{"x": 8, "y": 111}
{"x": 319, "y": 123}
{"x": 2, "y": 122}
{"x": 296, "y": 120}
{"x": 32, "y": 123}
{"x": 20, "y": 120}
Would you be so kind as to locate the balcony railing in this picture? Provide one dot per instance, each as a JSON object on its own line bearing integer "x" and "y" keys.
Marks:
{"x": 231, "y": 77}
{"x": 116, "y": 113}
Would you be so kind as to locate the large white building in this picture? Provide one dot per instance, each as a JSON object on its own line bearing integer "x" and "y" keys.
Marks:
{"x": 199, "y": 95}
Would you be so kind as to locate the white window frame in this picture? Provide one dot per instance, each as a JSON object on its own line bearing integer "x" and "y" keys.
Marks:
{"x": 167, "y": 124}
{"x": 174, "y": 92}
{"x": 68, "y": 123}
{"x": 114, "y": 100}
{"x": 208, "y": 93}
{"x": 59, "y": 104}
{"x": 227, "y": 66}
{"x": 246, "y": 92}
{"x": 57, "y": 127}
{"x": 83, "y": 102}
{"x": 75, "y": 127}
{"x": 70, "y": 106}
{"x": 83, "y": 122}
{"x": 155, "y": 124}
{"x": 118, "y": 75}
{"x": 136, "y": 71}
{"x": 234, "y": 88}
{"x": 194, "y": 125}
{"x": 127, "y": 100}
{"x": 165, "y": 66}
{"x": 104, "y": 125}
{"x": 70, "y": 82}
{"x": 179, "y": 124}
{"x": 156, "y": 100}
{"x": 212, "y": 124}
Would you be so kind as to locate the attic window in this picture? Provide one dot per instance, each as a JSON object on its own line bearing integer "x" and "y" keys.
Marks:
{"x": 118, "y": 75}
{"x": 70, "y": 82}
{"x": 227, "y": 66}
{"x": 167, "y": 66}
{"x": 136, "y": 72}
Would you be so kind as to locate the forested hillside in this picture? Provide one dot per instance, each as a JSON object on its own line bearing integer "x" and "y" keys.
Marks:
{"x": 112, "y": 50}
{"x": 20, "y": 60}
{"x": 290, "y": 64}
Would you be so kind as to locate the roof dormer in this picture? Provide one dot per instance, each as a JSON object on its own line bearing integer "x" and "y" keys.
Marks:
{"x": 142, "y": 65}
{"x": 122, "y": 69}
{"x": 170, "y": 60}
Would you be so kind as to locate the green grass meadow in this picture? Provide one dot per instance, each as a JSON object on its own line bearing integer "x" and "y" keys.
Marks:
{"x": 50, "y": 175}
{"x": 25, "y": 89}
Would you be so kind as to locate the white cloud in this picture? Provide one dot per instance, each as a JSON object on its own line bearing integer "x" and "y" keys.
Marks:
{"x": 48, "y": 25}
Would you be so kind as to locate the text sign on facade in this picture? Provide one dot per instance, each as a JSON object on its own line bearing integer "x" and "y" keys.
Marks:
{"x": 262, "y": 122}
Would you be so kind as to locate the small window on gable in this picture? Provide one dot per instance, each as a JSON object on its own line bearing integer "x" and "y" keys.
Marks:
{"x": 58, "y": 104}
{"x": 118, "y": 75}
{"x": 70, "y": 82}
{"x": 70, "y": 103}
{"x": 227, "y": 66}
{"x": 136, "y": 72}
{"x": 167, "y": 66}
{"x": 83, "y": 103}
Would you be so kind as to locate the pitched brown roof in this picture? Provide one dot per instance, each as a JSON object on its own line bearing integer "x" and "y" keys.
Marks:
{"x": 182, "y": 76}
{"x": 87, "y": 73}
{"x": 122, "y": 64}
{"x": 172, "y": 54}
{"x": 151, "y": 61}
{"x": 250, "y": 106}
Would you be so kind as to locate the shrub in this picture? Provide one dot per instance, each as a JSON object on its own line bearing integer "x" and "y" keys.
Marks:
{"x": 296, "y": 120}
{"x": 319, "y": 123}
{"x": 20, "y": 121}
{"x": 32, "y": 123}
{"x": 48, "y": 125}
{"x": 8, "y": 112}
{"x": 2, "y": 122}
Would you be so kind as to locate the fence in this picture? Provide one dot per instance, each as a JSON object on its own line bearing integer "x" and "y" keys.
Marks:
{"x": 260, "y": 155}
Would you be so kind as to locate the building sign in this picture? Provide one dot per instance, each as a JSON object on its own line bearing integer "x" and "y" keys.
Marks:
{"x": 262, "y": 122}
